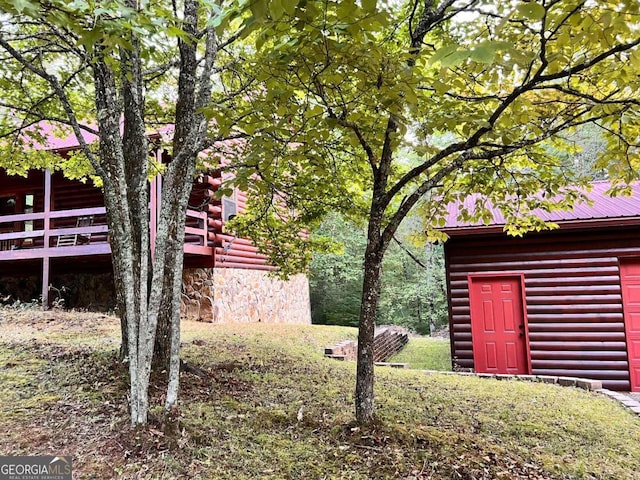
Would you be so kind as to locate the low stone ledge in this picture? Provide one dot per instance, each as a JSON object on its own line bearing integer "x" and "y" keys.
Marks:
{"x": 547, "y": 379}
{"x": 623, "y": 400}
{"x": 588, "y": 384}
{"x": 336, "y": 357}
{"x": 567, "y": 381}
{"x": 391, "y": 364}
{"x": 582, "y": 383}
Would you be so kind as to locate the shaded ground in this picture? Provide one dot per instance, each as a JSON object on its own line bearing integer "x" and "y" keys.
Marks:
{"x": 269, "y": 406}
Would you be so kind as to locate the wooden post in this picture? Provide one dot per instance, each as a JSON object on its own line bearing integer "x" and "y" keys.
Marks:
{"x": 47, "y": 225}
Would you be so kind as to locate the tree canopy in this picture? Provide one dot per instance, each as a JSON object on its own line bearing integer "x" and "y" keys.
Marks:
{"x": 483, "y": 93}
{"x": 115, "y": 71}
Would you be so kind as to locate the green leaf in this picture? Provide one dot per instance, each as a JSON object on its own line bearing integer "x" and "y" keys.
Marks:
{"x": 456, "y": 58}
{"x": 276, "y": 9}
{"x": 442, "y": 53}
{"x": 532, "y": 10}
{"x": 369, "y": 5}
{"x": 24, "y": 6}
{"x": 259, "y": 10}
{"x": 483, "y": 54}
{"x": 90, "y": 37}
{"x": 289, "y": 6}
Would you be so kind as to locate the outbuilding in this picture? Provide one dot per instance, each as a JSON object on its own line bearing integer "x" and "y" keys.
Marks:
{"x": 560, "y": 302}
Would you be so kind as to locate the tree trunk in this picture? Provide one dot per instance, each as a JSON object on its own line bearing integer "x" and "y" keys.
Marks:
{"x": 162, "y": 347}
{"x": 374, "y": 254}
{"x": 365, "y": 377}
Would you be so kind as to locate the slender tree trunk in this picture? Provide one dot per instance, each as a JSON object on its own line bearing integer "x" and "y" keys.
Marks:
{"x": 370, "y": 296}
{"x": 374, "y": 253}
{"x": 162, "y": 347}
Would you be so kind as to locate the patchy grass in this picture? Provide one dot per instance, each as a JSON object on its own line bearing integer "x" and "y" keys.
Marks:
{"x": 271, "y": 407}
{"x": 425, "y": 353}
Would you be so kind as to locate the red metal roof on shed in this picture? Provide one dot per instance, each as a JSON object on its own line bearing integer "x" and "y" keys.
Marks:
{"x": 604, "y": 210}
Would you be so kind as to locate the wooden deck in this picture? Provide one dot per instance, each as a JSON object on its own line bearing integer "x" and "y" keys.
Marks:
{"x": 79, "y": 232}
{"x": 21, "y": 244}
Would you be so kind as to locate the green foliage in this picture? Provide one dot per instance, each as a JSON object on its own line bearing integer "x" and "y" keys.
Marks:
{"x": 413, "y": 295}
{"x": 506, "y": 84}
{"x": 65, "y": 40}
{"x": 335, "y": 279}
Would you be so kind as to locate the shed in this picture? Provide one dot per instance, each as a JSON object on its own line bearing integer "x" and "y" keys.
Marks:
{"x": 560, "y": 302}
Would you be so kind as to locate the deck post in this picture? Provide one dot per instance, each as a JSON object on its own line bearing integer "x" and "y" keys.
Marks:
{"x": 45, "y": 283}
{"x": 47, "y": 226}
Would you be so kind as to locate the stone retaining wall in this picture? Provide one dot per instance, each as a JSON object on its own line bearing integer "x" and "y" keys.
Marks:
{"x": 234, "y": 295}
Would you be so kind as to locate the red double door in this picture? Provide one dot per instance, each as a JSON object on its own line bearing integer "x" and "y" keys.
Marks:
{"x": 497, "y": 325}
{"x": 630, "y": 280}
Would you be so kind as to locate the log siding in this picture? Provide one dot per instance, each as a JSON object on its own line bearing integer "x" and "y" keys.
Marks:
{"x": 573, "y": 296}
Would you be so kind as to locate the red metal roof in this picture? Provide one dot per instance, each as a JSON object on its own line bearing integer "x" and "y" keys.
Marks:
{"x": 603, "y": 210}
{"x": 61, "y": 138}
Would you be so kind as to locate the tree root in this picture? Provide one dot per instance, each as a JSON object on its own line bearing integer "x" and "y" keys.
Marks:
{"x": 188, "y": 368}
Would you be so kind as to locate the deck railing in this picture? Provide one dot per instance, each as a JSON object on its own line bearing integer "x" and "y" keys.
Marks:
{"x": 35, "y": 235}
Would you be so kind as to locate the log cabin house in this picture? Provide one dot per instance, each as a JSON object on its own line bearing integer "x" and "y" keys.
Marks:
{"x": 54, "y": 244}
{"x": 562, "y": 302}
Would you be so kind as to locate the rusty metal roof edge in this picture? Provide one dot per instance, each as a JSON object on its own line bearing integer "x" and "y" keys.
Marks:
{"x": 562, "y": 225}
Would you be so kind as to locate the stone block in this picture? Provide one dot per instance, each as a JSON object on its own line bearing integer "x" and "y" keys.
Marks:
{"x": 342, "y": 358}
{"x": 567, "y": 381}
{"x": 526, "y": 378}
{"x": 503, "y": 376}
{"x": 392, "y": 364}
{"x": 588, "y": 384}
{"x": 547, "y": 378}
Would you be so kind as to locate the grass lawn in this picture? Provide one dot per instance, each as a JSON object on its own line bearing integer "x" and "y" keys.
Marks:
{"x": 426, "y": 353}
{"x": 271, "y": 407}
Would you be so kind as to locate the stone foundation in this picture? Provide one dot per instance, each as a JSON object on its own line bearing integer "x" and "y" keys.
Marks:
{"x": 234, "y": 295}
{"x": 91, "y": 291}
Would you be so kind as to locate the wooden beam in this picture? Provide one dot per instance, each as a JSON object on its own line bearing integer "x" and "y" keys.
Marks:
{"x": 45, "y": 283}
{"x": 47, "y": 227}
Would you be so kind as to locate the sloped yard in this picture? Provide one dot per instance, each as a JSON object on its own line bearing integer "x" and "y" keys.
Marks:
{"x": 270, "y": 406}
{"x": 425, "y": 353}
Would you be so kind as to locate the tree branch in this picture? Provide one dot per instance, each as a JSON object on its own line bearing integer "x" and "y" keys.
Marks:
{"x": 53, "y": 81}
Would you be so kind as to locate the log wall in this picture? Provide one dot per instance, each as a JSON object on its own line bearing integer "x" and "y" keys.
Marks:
{"x": 229, "y": 251}
{"x": 573, "y": 297}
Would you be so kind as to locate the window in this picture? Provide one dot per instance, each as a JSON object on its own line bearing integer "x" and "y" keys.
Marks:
{"x": 28, "y": 208}
{"x": 229, "y": 208}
